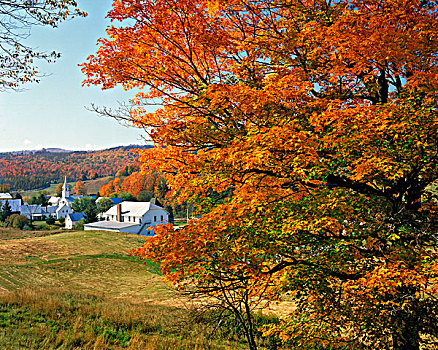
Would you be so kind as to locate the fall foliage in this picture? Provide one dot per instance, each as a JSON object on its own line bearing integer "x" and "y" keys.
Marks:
{"x": 58, "y": 190}
{"x": 23, "y": 171}
{"x": 315, "y": 126}
{"x": 135, "y": 183}
{"x": 80, "y": 188}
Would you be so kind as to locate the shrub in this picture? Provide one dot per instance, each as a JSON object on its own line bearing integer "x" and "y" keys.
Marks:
{"x": 79, "y": 226}
{"x": 18, "y": 221}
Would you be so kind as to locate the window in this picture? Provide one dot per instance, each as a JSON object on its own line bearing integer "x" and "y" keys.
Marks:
{"x": 155, "y": 218}
{"x": 162, "y": 218}
{"x": 139, "y": 220}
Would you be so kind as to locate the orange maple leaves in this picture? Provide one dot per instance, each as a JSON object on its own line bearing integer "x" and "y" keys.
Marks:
{"x": 305, "y": 132}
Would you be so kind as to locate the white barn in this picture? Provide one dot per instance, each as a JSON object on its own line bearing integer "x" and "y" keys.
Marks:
{"x": 131, "y": 217}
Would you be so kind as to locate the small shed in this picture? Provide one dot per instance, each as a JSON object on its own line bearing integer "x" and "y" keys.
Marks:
{"x": 72, "y": 219}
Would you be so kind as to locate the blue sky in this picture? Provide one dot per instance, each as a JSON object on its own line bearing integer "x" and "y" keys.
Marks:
{"x": 53, "y": 113}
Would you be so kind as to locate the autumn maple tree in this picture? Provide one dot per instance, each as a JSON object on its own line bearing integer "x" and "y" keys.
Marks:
{"x": 17, "y": 58}
{"x": 80, "y": 188}
{"x": 58, "y": 190}
{"x": 306, "y": 134}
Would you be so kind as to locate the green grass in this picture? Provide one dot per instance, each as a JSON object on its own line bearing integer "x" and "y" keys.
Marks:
{"x": 81, "y": 290}
{"x": 51, "y": 190}
{"x": 91, "y": 185}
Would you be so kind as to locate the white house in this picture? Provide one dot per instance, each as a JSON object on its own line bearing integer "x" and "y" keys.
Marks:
{"x": 72, "y": 219}
{"x": 131, "y": 217}
{"x": 14, "y": 203}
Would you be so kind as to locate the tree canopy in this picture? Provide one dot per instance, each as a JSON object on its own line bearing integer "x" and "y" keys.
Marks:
{"x": 81, "y": 204}
{"x": 80, "y": 188}
{"x": 103, "y": 204}
{"x": 16, "y": 20}
{"x": 319, "y": 121}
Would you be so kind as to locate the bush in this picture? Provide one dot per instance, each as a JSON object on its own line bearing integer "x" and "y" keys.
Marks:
{"x": 50, "y": 220}
{"x": 61, "y": 221}
{"x": 18, "y": 221}
{"x": 79, "y": 226}
{"x": 43, "y": 227}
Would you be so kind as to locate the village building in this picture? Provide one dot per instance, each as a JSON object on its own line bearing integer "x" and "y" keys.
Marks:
{"x": 14, "y": 203}
{"x": 131, "y": 217}
{"x": 72, "y": 219}
{"x": 32, "y": 211}
{"x": 60, "y": 207}
{"x": 65, "y": 196}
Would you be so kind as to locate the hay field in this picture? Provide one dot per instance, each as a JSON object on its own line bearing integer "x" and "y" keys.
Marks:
{"x": 80, "y": 290}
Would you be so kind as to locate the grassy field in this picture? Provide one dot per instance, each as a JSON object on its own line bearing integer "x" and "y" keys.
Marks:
{"x": 80, "y": 290}
{"x": 91, "y": 185}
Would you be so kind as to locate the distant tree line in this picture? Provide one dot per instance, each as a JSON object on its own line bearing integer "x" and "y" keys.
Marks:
{"x": 25, "y": 171}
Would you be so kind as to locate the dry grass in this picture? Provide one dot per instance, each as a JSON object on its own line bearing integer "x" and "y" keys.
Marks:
{"x": 92, "y": 262}
{"x": 93, "y": 186}
{"x": 80, "y": 290}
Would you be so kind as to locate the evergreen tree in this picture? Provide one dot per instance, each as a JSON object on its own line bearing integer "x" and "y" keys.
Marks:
{"x": 145, "y": 196}
{"x": 5, "y": 211}
{"x": 170, "y": 211}
{"x": 90, "y": 214}
{"x": 80, "y": 204}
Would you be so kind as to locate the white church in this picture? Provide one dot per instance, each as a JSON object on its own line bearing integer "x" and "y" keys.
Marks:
{"x": 60, "y": 207}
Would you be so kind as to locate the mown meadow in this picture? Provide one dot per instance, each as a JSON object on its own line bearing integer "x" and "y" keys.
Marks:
{"x": 81, "y": 290}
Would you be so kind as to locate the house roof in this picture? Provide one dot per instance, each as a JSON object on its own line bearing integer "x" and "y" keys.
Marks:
{"x": 137, "y": 209}
{"x": 54, "y": 199}
{"x": 63, "y": 205}
{"x": 75, "y": 196}
{"x": 76, "y": 216}
{"x": 110, "y": 225}
{"x": 51, "y": 209}
{"x": 5, "y": 196}
{"x": 31, "y": 209}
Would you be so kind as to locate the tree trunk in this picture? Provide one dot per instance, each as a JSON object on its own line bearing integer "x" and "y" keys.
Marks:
{"x": 405, "y": 334}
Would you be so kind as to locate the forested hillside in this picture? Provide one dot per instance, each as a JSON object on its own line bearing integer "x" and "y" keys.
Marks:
{"x": 24, "y": 171}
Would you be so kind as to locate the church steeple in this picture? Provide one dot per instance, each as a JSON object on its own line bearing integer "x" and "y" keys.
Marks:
{"x": 65, "y": 190}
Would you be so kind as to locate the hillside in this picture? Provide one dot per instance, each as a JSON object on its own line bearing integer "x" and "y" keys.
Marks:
{"x": 40, "y": 169}
{"x": 80, "y": 290}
